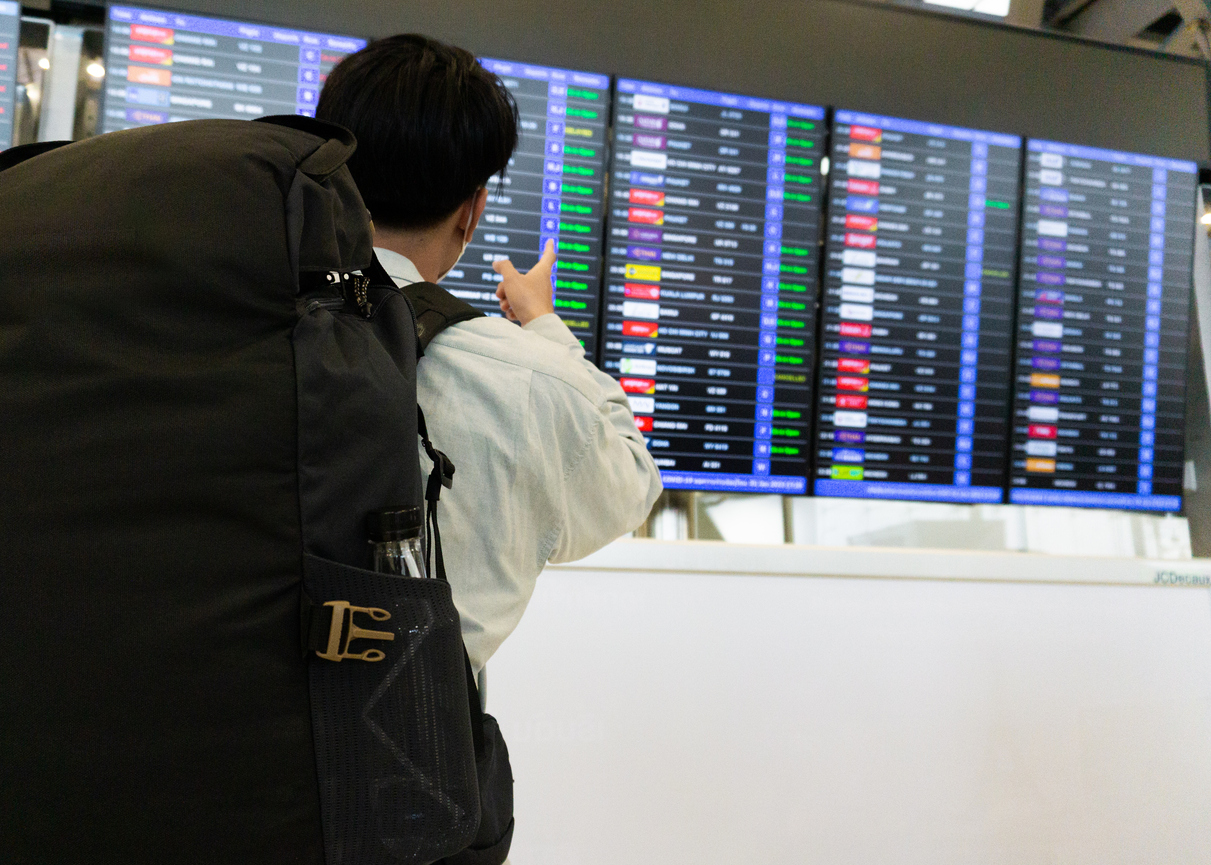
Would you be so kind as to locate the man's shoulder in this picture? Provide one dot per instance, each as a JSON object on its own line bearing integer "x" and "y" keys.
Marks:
{"x": 482, "y": 344}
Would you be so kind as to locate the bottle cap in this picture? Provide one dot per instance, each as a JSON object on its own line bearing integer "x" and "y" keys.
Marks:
{"x": 394, "y": 524}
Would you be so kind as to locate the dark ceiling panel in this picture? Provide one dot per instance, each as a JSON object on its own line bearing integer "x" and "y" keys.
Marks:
{"x": 863, "y": 56}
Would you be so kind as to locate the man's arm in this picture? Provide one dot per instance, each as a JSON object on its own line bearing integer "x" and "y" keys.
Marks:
{"x": 607, "y": 488}
{"x": 603, "y": 481}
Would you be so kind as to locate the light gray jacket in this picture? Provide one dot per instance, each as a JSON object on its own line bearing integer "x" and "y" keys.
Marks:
{"x": 549, "y": 464}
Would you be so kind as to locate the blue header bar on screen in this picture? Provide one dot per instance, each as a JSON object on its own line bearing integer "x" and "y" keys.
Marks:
{"x": 1082, "y": 152}
{"x": 546, "y": 73}
{"x": 711, "y": 97}
{"x": 237, "y": 29}
{"x": 937, "y": 130}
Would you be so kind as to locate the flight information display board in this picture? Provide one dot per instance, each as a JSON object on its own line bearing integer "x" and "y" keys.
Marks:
{"x": 552, "y": 190}
{"x": 166, "y": 66}
{"x": 712, "y": 272}
{"x": 917, "y": 316}
{"x": 10, "y": 27}
{"x": 1107, "y": 258}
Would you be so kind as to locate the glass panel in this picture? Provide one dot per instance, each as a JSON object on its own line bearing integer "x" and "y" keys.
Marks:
{"x": 32, "y": 63}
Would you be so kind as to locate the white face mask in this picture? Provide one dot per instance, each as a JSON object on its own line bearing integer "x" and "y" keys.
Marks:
{"x": 462, "y": 252}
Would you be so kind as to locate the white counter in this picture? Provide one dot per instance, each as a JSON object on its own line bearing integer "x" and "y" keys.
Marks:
{"x": 717, "y": 557}
{"x": 709, "y": 703}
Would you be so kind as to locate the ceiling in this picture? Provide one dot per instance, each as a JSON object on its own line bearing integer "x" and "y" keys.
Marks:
{"x": 1177, "y": 27}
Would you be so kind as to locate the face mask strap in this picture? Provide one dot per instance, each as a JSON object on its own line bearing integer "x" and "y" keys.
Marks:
{"x": 466, "y": 239}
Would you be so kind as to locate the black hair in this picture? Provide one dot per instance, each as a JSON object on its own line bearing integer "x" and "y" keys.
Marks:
{"x": 432, "y": 126}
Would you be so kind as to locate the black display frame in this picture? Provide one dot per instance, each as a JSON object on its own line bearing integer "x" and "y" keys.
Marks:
{"x": 505, "y": 30}
{"x": 754, "y": 482}
{"x": 955, "y": 494}
{"x": 1095, "y": 500}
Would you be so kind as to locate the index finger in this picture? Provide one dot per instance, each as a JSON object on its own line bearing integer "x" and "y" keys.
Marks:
{"x": 505, "y": 268}
{"x": 548, "y": 256}
{"x": 546, "y": 263}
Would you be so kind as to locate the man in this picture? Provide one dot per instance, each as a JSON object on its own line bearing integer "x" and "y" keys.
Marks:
{"x": 550, "y": 466}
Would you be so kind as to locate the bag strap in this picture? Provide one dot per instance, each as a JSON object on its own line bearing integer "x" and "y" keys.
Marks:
{"x": 315, "y": 621}
{"x": 435, "y": 308}
{"x": 443, "y": 476}
{"x": 20, "y": 153}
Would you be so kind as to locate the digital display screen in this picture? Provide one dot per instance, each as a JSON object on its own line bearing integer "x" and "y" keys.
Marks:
{"x": 712, "y": 275}
{"x": 917, "y": 314}
{"x": 167, "y": 66}
{"x": 1099, "y": 397}
{"x": 552, "y": 190}
{"x": 10, "y": 27}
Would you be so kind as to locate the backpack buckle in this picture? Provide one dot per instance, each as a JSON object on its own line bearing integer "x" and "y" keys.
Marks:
{"x": 339, "y": 637}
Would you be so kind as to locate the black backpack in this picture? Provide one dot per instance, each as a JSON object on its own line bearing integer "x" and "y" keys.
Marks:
{"x": 206, "y": 383}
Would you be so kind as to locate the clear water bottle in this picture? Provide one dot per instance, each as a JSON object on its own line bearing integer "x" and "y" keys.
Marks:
{"x": 395, "y": 534}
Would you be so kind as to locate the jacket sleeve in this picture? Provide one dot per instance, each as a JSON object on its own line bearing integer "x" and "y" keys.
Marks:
{"x": 600, "y": 480}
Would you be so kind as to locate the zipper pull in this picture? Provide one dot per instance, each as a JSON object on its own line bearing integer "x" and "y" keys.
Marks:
{"x": 361, "y": 294}
{"x": 358, "y": 285}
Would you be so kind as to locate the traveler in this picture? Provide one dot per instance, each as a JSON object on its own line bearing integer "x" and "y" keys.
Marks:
{"x": 550, "y": 465}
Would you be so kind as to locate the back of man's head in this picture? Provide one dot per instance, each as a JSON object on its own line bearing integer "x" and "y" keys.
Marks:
{"x": 432, "y": 126}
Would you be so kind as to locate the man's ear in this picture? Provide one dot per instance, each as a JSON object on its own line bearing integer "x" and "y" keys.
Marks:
{"x": 476, "y": 209}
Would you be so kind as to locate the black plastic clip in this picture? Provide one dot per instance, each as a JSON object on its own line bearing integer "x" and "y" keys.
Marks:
{"x": 441, "y": 476}
{"x": 355, "y": 288}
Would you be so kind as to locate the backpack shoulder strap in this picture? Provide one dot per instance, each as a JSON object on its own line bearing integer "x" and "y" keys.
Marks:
{"x": 434, "y": 307}
{"x": 20, "y": 153}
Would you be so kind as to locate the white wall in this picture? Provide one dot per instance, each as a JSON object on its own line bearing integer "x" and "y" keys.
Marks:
{"x": 667, "y": 716}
